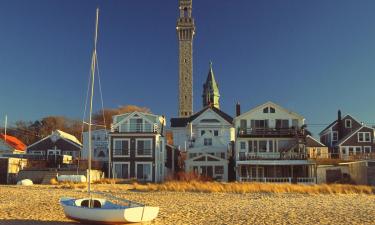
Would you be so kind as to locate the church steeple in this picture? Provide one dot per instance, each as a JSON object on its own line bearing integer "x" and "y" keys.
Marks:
{"x": 211, "y": 93}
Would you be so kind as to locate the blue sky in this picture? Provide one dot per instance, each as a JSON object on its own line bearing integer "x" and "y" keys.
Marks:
{"x": 312, "y": 57}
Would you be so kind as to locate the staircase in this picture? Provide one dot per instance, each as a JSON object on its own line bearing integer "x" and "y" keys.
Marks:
{"x": 48, "y": 176}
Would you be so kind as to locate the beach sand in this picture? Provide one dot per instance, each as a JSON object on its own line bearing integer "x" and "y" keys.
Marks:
{"x": 39, "y": 205}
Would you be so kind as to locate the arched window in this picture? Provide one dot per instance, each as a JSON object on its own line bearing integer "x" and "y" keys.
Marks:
{"x": 185, "y": 12}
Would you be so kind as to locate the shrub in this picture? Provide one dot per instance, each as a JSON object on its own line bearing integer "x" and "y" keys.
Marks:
{"x": 198, "y": 186}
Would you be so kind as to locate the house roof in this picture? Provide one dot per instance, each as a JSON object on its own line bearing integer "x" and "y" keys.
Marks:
{"x": 13, "y": 142}
{"x": 335, "y": 121}
{"x": 182, "y": 122}
{"x": 60, "y": 135}
{"x": 312, "y": 142}
{"x": 67, "y": 136}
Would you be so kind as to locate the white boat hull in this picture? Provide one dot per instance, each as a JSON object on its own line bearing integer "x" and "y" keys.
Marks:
{"x": 109, "y": 213}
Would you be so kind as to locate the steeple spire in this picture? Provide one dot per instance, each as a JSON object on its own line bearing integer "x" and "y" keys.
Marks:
{"x": 211, "y": 93}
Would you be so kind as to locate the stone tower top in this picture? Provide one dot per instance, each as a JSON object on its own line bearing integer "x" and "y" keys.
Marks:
{"x": 185, "y": 33}
{"x": 211, "y": 93}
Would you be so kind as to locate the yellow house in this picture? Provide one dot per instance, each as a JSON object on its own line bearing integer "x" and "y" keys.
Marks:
{"x": 315, "y": 149}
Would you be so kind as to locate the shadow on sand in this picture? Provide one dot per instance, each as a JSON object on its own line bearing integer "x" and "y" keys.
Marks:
{"x": 35, "y": 222}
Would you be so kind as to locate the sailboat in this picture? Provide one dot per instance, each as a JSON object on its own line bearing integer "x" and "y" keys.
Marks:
{"x": 100, "y": 210}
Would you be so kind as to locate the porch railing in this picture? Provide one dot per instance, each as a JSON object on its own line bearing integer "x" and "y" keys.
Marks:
{"x": 270, "y": 131}
{"x": 298, "y": 180}
{"x": 271, "y": 155}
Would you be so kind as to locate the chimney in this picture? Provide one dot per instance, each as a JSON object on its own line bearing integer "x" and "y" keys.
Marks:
{"x": 238, "y": 109}
{"x": 339, "y": 125}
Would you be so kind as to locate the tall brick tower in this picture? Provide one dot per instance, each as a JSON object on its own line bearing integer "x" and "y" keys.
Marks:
{"x": 185, "y": 33}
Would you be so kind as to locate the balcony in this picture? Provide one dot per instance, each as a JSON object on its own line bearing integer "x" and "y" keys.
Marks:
{"x": 270, "y": 132}
{"x": 244, "y": 156}
{"x": 298, "y": 180}
{"x": 136, "y": 128}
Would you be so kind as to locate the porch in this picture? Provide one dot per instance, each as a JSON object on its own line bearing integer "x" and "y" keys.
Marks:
{"x": 299, "y": 172}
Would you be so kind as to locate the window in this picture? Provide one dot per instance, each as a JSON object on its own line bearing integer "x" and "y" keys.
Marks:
{"x": 121, "y": 147}
{"x": 71, "y": 153}
{"x": 250, "y": 146}
{"x": 259, "y": 123}
{"x": 203, "y": 132}
{"x": 350, "y": 150}
{"x": 208, "y": 141}
{"x": 219, "y": 169}
{"x": 334, "y": 136}
{"x": 282, "y": 124}
{"x": 243, "y": 124}
{"x": 216, "y": 133}
{"x": 143, "y": 147}
{"x": 121, "y": 170}
{"x": 272, "y": 110}
{"x": 255, "y": 145}
{"x": 270, "y": 146}
{"x": 144, "y": 171}
{"x": 348, "y": 123}
{"x": 358, "y": 150}
{"x": 364, "y": 137}
{"x": 262, "y": 146}
{"x": 242, "y": 145}
{"x": 222, "y": 155}
{"x": 343, "y": 150}
{"x": 265, "y": 110}
{"x": 367, "y": 149}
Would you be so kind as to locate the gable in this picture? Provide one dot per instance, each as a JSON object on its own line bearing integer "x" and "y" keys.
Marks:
{"x": 258, "y": 112}
{"x": 124, "y": 118}
{"x": 210, "y": 117}
{"x": 206, "y": 157}
{"x": 183, "y": 122}
{"x": 312, "y": 142}
{"x": 61, "y": 144}
{"x": 352, "y": 138}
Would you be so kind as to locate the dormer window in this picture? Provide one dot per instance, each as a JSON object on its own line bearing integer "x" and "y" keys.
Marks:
{"x": 272, "y": 110}
{"x": 265, "y": 110}
{"x": 348, "y": 123}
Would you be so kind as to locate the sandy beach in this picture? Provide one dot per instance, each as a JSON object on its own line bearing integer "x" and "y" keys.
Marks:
{"x": 39, "y": 205}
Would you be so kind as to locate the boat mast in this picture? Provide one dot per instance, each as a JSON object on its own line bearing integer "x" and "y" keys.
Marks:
{"x": 93, "y": 64}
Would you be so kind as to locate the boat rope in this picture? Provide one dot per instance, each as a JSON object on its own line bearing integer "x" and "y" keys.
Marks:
{"x": 110, "y": 196}
{"x": 143, "y": 210}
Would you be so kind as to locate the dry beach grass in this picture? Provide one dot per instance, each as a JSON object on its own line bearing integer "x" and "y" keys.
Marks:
{"x": 39, "y": 205}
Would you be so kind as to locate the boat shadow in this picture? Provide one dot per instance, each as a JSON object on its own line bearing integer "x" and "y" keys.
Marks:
{"x": 44, "y": 222}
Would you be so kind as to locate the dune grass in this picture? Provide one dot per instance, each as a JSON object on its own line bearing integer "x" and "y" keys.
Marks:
{"x": 214, "y": 187}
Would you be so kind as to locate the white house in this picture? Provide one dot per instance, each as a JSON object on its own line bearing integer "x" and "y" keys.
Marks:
{"x": 206, "y": 136}
{"x": 99, "y": 141}
{"x": 270, "y": 146}
{"x": 137, "y": 147}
